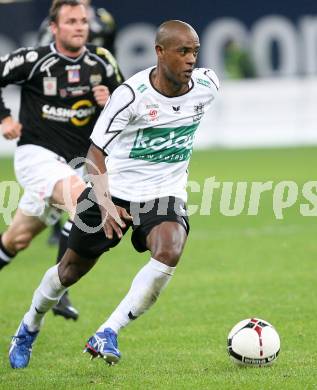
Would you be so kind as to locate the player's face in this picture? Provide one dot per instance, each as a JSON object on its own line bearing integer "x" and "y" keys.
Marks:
{"x": 179, "y": 57}
{"x": 71, "y": 28}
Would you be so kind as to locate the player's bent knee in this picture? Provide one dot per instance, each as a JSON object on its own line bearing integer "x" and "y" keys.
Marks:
{"x": 168, "y": 256}
{"x": 71, "y": 268}
{"x": 69, "y": 275}
{"x": 67, "y": 278}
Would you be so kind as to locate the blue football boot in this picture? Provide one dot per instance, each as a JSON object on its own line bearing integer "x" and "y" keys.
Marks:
{"x": 104, "y": 344}
{"x": 21, "y": 347}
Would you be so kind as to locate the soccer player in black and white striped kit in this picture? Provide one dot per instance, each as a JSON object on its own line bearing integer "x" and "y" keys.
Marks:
{"x": 102, "y": 32}
{"x": 64, "y": 87}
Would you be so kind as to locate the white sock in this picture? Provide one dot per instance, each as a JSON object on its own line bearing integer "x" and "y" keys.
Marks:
{"x": 145, "y": 289}
{"x": 44, "y": 298}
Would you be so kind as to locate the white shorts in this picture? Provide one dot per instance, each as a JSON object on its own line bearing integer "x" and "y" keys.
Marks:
{"x": 38, "y": 170}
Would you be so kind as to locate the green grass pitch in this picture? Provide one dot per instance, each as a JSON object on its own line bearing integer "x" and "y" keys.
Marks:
{"x": 232, "y": 268}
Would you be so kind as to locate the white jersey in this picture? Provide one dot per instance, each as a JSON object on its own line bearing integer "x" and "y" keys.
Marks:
{"x": 148, "y": 136}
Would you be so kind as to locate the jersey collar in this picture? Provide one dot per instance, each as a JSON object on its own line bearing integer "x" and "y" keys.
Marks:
{"x": 70, "y": 59}
{"x": 191, "y": 86}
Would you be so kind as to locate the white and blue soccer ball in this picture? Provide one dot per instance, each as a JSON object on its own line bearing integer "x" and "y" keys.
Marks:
{"x": 253, "y": 342}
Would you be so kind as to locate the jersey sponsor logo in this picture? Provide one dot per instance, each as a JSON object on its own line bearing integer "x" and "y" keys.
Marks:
{"x": 85, "y": 110}
{"x": 95, "y": 79}
{"x": 78, "y": 91}
{"x": 153, "y": 114}
{"x": 168, "y": 145}
{"x": 203, "y": 82}
{"x": 46, "y": 66}
{"x": 141, "y": 88}
{"x": 89, "y": 61}
{"x": 13, "y": 63}
{"x": 154, "y": 105}
{"x": 74, "y": 91}
{"x": 31, "y": 56}
{"x": 72, "y": 67}
{"x": 63, "y": 92}
{"x": 50, "y": 86}
{"x": 79, "y": 114}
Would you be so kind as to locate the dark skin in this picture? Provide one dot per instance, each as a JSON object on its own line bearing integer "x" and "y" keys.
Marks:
{"x": 176, "y": 47}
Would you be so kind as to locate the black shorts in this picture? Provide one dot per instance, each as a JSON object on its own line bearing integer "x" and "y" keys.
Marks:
{"x": 87, "y": 237}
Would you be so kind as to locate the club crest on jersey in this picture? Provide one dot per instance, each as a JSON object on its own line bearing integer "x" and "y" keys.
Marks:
{"x": 50, "y": 86}
{"x": 95, "y": 79}
{"x": 199, "y": 110}
{"x": 73, "y": 74}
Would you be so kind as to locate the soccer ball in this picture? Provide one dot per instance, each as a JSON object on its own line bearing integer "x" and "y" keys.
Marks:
{"x": 253, "y": 342}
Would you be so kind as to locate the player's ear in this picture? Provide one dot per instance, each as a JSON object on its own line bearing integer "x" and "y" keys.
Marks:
{"x": 159, "y": 50}
{"x": 53, "y": 27}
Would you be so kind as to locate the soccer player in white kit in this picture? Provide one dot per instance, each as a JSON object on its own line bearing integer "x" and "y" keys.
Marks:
{"x": 146, "y": 133}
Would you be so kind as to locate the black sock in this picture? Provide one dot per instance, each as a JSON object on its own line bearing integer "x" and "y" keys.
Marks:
{"x": 63, "y": 240}
{"x": 5, "y": 256}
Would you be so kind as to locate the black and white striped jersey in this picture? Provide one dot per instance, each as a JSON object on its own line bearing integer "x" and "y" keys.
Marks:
{"x": 57, "y": 108}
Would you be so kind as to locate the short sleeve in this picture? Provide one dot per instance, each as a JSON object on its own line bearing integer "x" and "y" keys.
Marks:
{"x": 114, "y": 118}
{"x": 213, "y": 77}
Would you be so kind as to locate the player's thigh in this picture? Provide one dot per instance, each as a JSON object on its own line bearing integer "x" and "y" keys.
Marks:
{"x": 87, "y": 237}
{"x": 166, "y": 242}
{"x": 47, "y": 179}
{"x": 67, "y": 191}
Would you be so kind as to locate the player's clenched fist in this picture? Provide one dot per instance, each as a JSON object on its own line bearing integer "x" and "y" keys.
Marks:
{"x": 11, "y": 129}
{"x": 101, "y": 94}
